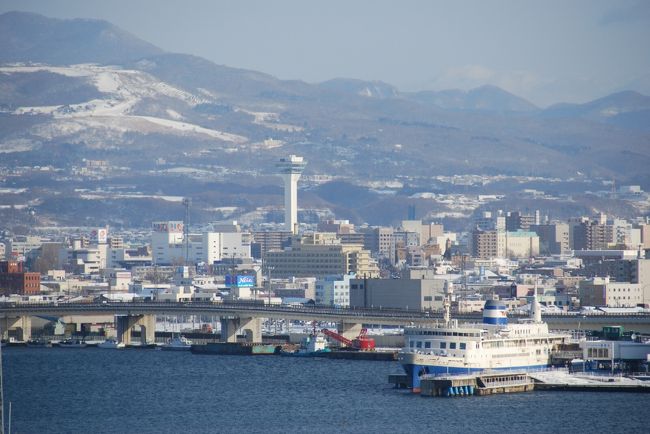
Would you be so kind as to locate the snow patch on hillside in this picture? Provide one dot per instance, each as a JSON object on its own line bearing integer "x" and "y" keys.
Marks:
{"x": 186, "y": 127}
{"x": 124, "y": 89}
{"x": 270, "y": 120}
{"x": 174, "y": 114}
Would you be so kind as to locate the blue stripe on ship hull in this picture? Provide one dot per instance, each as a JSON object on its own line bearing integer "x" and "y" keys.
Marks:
{"x": 415, "y": 371}
{"x": 495, "y": 321}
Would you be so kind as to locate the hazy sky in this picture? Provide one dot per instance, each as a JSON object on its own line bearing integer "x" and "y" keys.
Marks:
{"x": 545, "y": 50}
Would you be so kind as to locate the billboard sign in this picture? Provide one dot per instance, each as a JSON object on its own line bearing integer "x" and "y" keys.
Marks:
{"x": 240, "y": 281}
{"x": 245, "y": 281}
{"x": 102, "y": 236}
{"x": 169, "y": 227}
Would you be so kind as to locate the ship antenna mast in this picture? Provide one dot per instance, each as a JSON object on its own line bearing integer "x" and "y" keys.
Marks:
{"x": 535, "y": 309}
{"x": 448, "y": 290}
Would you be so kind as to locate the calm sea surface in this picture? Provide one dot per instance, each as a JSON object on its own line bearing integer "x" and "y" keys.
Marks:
{"x": 55, "y": 390}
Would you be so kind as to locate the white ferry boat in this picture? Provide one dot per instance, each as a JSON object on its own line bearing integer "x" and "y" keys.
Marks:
{"x": 450, "y": 348}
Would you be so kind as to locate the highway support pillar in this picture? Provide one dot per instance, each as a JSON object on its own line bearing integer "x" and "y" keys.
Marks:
{"x": 229, "y": 328}
{"x": 148, "y": 329}
{"x": 349, "y": 330}
{"x": 250, "y": 327}
{"x": 124, "y": 325}
{"x": 22, "y": 327}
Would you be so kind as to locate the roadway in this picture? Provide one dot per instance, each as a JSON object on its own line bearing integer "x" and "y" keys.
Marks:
{"x": 395, "y": 317}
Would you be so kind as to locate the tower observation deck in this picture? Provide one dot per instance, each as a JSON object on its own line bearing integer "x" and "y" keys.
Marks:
{"x": 290, "y": 169}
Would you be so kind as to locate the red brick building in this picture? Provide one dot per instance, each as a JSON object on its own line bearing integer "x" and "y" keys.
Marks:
{"x": 15, "y": 280}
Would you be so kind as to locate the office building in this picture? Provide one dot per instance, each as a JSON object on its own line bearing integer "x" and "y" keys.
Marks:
{"x": 334, "y": 290}
{"x": 415, "y": 294}
{"x": 15, "y": 280}
{"x": 600, "y": 291}
{"x": 169, "y": 246}
{"x": 321, "y": 254}
{"x": 553, "y": 238}
{"x": 522, "y": 244}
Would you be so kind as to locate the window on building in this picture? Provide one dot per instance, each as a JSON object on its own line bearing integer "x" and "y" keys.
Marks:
{"x": 452, "y": 345}
{"x": 443, "y": 345}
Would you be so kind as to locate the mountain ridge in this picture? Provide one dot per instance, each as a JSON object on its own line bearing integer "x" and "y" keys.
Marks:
{"x": 353, "y": 128}
{"x": 25, "y": 36}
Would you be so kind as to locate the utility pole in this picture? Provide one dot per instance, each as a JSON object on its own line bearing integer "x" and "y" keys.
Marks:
{"x": 268, "y": 278}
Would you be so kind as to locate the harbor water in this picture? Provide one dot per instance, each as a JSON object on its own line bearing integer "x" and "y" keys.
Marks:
{"x": 55, "y": 390}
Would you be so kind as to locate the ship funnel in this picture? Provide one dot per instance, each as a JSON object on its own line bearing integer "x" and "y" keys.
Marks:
{"x": 494, "y": 312}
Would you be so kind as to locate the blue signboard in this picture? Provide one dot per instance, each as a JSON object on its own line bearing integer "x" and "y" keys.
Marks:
{"x": 241, "y": 281}
{"x": 245, "y": 281}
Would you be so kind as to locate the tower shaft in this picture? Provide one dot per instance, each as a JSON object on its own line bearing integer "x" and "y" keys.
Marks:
{"x": 290, "y": 169}
{"x": 291, "y": 201}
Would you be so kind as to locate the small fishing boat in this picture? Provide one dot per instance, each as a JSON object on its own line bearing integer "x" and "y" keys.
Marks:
{"x": 177, "y": 344}
{"x": 72, "y": 343}
{"x": 111, "y": 344}
{"x": 39, "y": 343}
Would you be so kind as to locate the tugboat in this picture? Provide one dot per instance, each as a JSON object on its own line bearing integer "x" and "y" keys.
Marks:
{"x": 313, "y": 345}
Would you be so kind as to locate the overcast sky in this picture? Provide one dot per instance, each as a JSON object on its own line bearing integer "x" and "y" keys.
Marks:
{"x": 546, "y": 50}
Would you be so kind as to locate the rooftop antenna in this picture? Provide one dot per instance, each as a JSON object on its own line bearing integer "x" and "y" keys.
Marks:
{"x": 187, "y": 202}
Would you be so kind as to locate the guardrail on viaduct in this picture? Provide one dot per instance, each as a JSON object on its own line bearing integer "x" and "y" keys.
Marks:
{"x": 377, "y": 315}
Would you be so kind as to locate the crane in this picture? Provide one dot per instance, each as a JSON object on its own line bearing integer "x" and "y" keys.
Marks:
{"x": 361, "y": 343}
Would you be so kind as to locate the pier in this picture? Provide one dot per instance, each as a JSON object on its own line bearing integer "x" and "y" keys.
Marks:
{"x": 587, "y": 382}
{"x": 483, "y": 384}
{"x": 490, "y": 383}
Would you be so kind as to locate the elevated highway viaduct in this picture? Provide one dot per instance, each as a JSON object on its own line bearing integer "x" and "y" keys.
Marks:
{"x": 247, "y": 317}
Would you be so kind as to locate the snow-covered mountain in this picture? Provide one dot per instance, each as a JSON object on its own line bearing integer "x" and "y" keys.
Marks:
{"x": 128, "y": 101}
{"x": 88, "y": 83}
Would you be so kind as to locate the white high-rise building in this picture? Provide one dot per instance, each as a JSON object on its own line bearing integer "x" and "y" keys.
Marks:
{"x": 290, "y": 169}
{"x": 168, "y": 245}
{"x": 334, "y": 290}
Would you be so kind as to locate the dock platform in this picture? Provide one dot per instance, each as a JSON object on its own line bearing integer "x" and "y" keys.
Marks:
{"x": 482, "y": 384}
{"x": 585, "y": 382}
{"x": 490, "y": 383}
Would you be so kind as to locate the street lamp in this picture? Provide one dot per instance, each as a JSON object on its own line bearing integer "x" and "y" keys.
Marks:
{"x": 268, "y": 278}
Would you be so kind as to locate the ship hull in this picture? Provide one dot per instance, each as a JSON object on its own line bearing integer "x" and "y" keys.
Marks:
{"x": 236, "y": 349}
